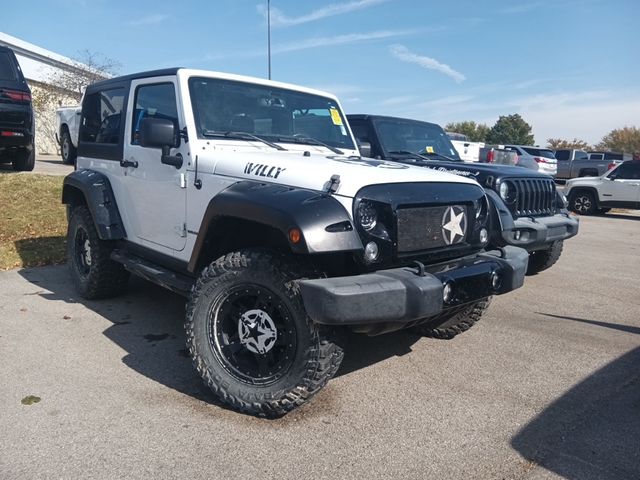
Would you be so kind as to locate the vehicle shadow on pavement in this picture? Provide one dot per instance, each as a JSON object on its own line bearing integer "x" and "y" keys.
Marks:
{"x": 147, "y": 323}
{"x": 362, "y": 351}
{"x": 593, "y": 430}
{"x": 614, "y": 326}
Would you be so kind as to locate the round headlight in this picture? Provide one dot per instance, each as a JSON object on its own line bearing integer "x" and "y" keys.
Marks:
{"x": 504, "y": 191}
{"x": 367, "y": 215}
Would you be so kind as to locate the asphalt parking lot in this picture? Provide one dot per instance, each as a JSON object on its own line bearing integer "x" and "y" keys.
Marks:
{"x": 546, "y": 386}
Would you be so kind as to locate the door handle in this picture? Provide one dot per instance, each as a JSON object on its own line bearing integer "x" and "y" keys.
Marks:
{"x": 128, "y": 163}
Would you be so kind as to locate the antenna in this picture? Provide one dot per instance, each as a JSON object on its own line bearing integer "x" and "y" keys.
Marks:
{"x": 269, "y": 35}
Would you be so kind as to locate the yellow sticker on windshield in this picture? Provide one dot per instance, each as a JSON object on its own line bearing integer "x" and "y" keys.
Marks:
{"x": 428, "y": 149}
{"x": 335, "y": 116}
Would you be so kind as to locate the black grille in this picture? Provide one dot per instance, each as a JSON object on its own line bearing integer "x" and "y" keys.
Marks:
{"x": 534, "y": 196}
{"x": 421, "y": 228}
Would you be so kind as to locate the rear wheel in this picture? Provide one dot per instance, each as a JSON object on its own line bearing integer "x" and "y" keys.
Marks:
{"x": 24, "y": 160}
{"x": 93, "y": 272}
{"x": 583, "y": 203}
{"x": 69, "y": 152}
{"x": 449, "y": 324}
{"x": 540, "y": 260}
{"x": 251, "y": 339}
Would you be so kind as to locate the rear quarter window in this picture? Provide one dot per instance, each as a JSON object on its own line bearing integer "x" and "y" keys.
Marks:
{"x": 8, "y": 71}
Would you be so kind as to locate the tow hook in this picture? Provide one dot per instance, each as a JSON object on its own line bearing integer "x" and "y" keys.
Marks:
{"x": 420, "y": 268}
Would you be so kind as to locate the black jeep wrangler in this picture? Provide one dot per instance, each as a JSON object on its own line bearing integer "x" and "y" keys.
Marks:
{"x": 527, "y": 210}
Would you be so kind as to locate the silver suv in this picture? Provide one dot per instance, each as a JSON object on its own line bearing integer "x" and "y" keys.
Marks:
{"x": 542, "y": 160}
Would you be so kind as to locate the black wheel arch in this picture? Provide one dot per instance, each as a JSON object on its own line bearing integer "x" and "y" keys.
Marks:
{"x": 93, "y": 189}
{"x": 268, "y": 212}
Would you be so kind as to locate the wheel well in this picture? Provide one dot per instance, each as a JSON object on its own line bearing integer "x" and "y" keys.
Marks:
{"x": 64, "y": 127}
{"x": 73, "y": 196}
{"x": 588, "y": 172}
{"x": 227, "y": 234}
{"x": 577, "y": 190}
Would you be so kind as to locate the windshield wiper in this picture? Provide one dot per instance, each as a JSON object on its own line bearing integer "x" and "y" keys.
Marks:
{"x": 242, "y": 136}
{"x": 423, "y": 155}
{"x": 435, "y": 154}
{"x": 313, "y": 141}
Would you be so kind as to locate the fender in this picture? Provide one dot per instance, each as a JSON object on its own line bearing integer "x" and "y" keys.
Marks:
{"x": 324, "y": 223}
{"x": 94, "y": 189}
{"x": 501, "y": 217}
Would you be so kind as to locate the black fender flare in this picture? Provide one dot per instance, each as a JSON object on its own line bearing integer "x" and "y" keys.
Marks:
{"x": 94, "y": 189}
{"x": 499, "y": 214}
{"x": 325, "y": 224}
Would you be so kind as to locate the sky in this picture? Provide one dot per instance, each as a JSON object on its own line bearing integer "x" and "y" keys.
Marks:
{"x": 571, "y": 68}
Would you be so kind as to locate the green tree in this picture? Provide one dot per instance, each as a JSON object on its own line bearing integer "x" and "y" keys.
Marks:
{"x": 560, "y": 143}
{"x": 625, "y": 139}
{"x": 510, "y": 129}
{"x": 477, "y": 132}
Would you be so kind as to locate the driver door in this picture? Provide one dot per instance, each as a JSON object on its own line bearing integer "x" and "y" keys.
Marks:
{"x": 156, "y": 192}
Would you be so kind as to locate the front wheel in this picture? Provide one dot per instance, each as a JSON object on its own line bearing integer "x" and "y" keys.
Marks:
{"x": 251, "y": 339}
{"x": 540, "y": 260}
{"x": 583, "y": 203}
{"x": 454, "y": 322}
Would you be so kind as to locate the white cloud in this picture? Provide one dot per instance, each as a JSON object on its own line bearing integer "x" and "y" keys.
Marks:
{"x": 347, "y": 38}
{"x": 402, "y": 53}
{"x": 448, "y": 101}
{"x": 399, "y": 100}
{"x": 520, "y": 8}
{"x": 149, "y": 20}
{"x": 279, "y": 19}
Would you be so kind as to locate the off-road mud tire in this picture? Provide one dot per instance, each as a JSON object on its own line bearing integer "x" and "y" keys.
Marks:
{"x": 317, "y": 353}
{"x": 102, "y": 278}
{"x": 449, "y": 324}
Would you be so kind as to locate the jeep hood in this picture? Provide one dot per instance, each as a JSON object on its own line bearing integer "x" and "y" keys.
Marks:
{"x": 314, "y": 171}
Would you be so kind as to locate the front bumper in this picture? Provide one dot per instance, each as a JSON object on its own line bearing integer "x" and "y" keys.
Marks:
{"x": 535, "y": 233}
{"x": 402, "y": 295}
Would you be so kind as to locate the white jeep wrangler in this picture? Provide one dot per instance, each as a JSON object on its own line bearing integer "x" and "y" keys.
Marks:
{"x": 248, "y": 196}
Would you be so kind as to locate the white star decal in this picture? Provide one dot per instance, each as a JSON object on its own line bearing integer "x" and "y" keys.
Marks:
{"x": 453, "y": 226}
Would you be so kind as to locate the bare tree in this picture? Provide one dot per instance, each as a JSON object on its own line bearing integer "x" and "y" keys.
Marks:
{"x": 65, "y": 86}
{"x": 89, "y": 67}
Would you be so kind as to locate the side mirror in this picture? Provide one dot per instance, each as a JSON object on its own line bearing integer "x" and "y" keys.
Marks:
{"x": 365, "y": 148}
{"x": 161, "y": 133}
{"x": 157, "y": 133}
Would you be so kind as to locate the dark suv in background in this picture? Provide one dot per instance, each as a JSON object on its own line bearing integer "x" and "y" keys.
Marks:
{"x": 17, "y": 128}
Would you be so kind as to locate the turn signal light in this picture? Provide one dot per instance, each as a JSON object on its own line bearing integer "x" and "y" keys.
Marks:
{"x": 295, "y": 235}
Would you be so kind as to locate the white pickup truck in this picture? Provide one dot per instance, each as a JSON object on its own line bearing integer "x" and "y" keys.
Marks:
{"x": 68, "y": 121}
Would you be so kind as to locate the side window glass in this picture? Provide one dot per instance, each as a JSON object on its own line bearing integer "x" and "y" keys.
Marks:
{"x": 102, "y": 116}
{"x": 627, "y": 171}
{"x": 580, "y": 155}
{"x": 562, "y": 155}
{"x": 153, "y": 101}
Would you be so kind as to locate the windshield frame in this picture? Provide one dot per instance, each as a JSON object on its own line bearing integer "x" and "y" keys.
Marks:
{"x": 349, "y": 143}
{"x": 386, "y": 150}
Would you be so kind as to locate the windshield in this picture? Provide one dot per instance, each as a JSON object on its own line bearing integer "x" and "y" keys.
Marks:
{"x": 539, "y": 152}
{"x": 274, "y": 114}
{"x": 416, "y": 137}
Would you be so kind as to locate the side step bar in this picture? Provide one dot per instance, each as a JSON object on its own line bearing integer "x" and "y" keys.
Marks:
{"x": 153, "y": 272}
